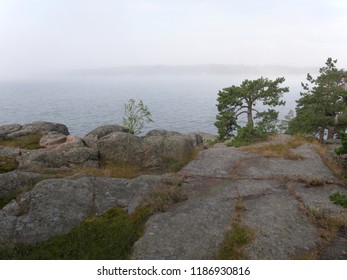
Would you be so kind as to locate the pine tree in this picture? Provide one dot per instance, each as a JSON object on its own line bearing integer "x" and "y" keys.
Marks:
{"x": 322, "y": 105}
{"x": 240, "y": 100}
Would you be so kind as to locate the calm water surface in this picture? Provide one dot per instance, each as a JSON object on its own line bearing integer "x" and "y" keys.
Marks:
{"x": 180, "y": 103}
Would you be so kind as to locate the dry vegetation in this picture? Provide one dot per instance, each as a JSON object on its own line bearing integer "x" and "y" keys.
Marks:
{"x": 330, "y": 228}
{"x": 166, "y": 193}
{"x": 280, "y": 150}
{"x": 330, "y": 162}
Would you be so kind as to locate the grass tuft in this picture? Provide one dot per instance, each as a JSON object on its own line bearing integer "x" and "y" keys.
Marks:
{"x": 30, "y": 142}
{"x": 7, "y": 164}
{"x": 339, "y": 199}
{"x": 238, "y": 238}
{"x": 174, "y": 165}
{"x": 235, "y": 241}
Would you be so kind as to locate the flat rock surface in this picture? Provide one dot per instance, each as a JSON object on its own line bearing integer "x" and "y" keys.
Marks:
{"x": 274, "y": 197}
{"x": 274, "y": 192}
{"x": 281, "y": 229}
{"x": 191, "y": 230}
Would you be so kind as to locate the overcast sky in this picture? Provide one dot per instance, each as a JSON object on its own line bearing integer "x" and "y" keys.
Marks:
{"x": 49, "y": 35}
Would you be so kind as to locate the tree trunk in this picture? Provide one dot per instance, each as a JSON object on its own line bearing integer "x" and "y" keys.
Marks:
{"x": 331, "y": 132}
{"x": 321, "y": 135}
{"x": 250, "y": 116}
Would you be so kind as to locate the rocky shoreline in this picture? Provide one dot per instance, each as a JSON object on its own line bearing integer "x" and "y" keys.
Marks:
{"x": 48, "y": 172}
{"x": 285, "y": 202}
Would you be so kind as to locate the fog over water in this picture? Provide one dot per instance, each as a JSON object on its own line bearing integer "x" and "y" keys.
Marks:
{"x": 182, "y": 103}
{"x": 79, "y": 61}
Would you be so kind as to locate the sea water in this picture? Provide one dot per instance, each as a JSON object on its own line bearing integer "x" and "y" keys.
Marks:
{"x": 177, "y": 102}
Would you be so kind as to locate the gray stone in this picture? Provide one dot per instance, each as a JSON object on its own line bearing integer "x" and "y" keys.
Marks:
{"x": 152, "y": 151}
{"x": 337, "y": 250}
{"x": 193, "y": 229}
{"x": 122, "y": 192}
{"x": 317, "y": 198}
{"x": 55, "y": 206}
{"x": 52, "y": 208}
{"x": 52, "y": 139}
{"x": 311, "y": 167}
{"x": 17, "y": 180}
{"x": 10, "y": 152}
{"x": 101, "y": 131}
{"x": 219, "y": 162}
{"x": 162, "y": 133}
{"x": 63, "y": 156}
{"x": 120, "y": 148}
{"x": 162, "y": 146}
{"x": 206, "y": 137}
{"x": 282, "y": 231}
{"x": 39, "y": 128}
{"x": 8, "y": 128}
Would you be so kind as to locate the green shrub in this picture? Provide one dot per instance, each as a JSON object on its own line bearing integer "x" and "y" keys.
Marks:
{"x": 248, "y": 135}
{"x": 135, "y": 116}
{"x": 343, "y": 148}
{"x": 339, "y": 199}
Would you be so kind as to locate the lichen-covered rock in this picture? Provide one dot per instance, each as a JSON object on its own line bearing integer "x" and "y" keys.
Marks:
{"x": 40, "y": 128}
{"x": 150, "y": 151}
{"x": 55, "y": 206}
{"x": 65, "y": 156}
{"x": 192, "y": 230}
{"x": 120, "y": 148}
{"x": 9, "y": 152}
{"x": 8, "y": 128}
{"x": 16, "y": 180}
{"x": 102, "y": 131}
{"x": 52, "y": 139}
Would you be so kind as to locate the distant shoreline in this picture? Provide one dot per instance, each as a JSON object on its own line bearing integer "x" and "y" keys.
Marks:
{"x": 204, "y": 69}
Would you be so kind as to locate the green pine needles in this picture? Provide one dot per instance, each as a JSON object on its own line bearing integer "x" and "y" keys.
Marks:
{"x": 237, "y": 101}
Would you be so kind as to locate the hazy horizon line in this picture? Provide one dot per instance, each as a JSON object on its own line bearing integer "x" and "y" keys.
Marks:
{"x": 207, "y": 68}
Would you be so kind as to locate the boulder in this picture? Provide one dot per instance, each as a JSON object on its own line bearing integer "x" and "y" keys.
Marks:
{"x": 9, "y": 152}
{"x": 161, "y": 133}
{"x": 52, "y": 139}
{"x": 81, "y": 156}
{"x": 72, "y": 141}
{"x": 101, "y": 131}
{"x": 120, "y": 148}
{"x": 8, "y": 128}
{"x": 16, "y": 180}
{"x": 150, "y": 151}
{"x": 55, "y": 206}
{"x": 158, "y": 148}
{"x": 206, "y": 137}
{"x": 61, "y": 157}
{"x": 39, "y": 127}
